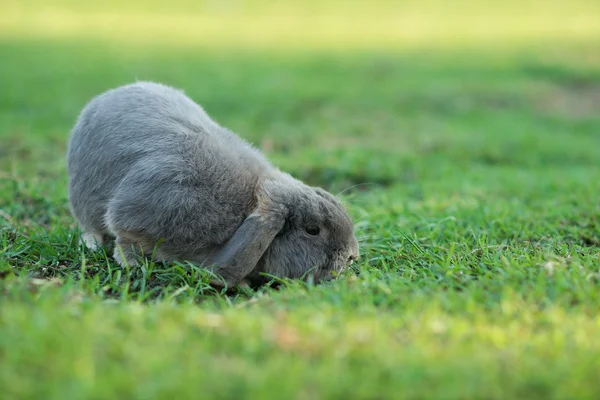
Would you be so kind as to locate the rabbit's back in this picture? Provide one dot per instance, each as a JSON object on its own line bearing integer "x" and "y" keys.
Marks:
{"x": 151, "y": 145}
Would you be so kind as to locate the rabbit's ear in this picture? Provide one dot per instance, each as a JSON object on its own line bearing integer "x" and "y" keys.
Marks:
{"x": 242, "y": 252}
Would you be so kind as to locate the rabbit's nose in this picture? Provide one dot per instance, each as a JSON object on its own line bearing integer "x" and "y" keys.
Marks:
{"x": 352, "y": 258}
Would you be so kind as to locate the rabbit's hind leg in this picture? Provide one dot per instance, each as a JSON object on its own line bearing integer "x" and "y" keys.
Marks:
{"x": 92, "y": 240}
{"x": 126, "y": 251}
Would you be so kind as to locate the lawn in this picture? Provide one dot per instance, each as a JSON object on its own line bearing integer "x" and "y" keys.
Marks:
{"x": 464, "y": 141}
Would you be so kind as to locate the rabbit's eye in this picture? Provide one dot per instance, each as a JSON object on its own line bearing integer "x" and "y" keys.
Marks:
{"x": 313, "y": 230}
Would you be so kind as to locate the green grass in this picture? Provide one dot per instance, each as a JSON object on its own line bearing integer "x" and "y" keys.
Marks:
{"x": 473, "y": 165}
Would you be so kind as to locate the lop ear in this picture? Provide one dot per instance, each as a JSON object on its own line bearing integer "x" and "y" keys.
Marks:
{"x": 242, "y": 252}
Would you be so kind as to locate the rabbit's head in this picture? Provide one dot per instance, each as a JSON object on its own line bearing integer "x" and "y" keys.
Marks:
{"x": 315, "y": 238}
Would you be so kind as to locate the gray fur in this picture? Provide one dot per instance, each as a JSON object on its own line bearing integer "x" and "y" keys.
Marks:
{"x": 148, "y": 166}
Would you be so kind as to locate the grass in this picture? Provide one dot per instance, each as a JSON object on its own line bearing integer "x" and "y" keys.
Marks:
{"x": 327, "y": 25}
{"x": 473, "y": 168}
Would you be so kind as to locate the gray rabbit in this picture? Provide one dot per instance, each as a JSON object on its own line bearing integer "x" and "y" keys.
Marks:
{"x": 148, "y": 167}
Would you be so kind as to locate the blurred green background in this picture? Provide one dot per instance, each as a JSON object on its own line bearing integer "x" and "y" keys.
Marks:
{"x": 312, "y": 78}
{"x": 331, "y": 24}
{"x": 465, "y": 136}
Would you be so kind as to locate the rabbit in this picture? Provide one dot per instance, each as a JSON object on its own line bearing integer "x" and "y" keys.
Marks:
{"x": 149, "y": 168}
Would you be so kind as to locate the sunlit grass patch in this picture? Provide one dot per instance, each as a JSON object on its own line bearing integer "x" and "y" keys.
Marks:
{"x": 325, "y": 25}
